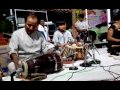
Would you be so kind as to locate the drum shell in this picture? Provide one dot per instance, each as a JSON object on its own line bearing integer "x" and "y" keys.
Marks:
{"x": 80, "y": 54}
{"x": 47, "y": 63}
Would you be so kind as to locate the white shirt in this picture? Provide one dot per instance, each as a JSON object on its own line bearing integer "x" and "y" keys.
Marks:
{"x": 21, "y": 42}
{"x": 81, "y": 25}
{"x": 45, "y": 31}
{"x": 62, "y": 38}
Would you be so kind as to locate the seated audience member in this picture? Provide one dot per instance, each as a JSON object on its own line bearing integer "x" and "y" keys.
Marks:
{"x": 82, "y": 28}
{"x": 44, "y": 29}
{"x": 113, "y": 36}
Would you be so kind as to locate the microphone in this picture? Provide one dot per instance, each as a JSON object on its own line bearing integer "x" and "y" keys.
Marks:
{"x": 17, "y": 72}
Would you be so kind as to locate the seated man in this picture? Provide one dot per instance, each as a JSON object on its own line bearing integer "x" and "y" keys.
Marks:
{"x": 26, "y": 42}
{"x": 82, "y": 28}
{"x": 62, "y": 36}
{"x": 113, "y": 36}
{"x": 44, "y": 29}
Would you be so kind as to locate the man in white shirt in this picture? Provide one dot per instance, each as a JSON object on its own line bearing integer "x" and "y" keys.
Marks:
{"x": 26, "y": 42}
{"x": 82, "y": 28}
{"x": 44, "y": 29}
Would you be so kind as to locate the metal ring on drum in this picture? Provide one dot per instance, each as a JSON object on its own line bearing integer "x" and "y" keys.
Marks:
{"x": 25, "y": 69}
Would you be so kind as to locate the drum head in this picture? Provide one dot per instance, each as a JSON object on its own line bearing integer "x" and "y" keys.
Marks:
{"x": 25, "y": 69}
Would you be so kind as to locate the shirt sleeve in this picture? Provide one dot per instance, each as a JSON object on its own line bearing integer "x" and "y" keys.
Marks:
{"x": 70, "y": 37}
{"x": 39, "y": 28}
{"x": 46, "y": 45}
{"x": 55, "y": 38}
{"x": 87, "y": 26}
{"x": 13, "y": 45}
{"x": 48, "y": 34}
{"x": 76, "y": 25}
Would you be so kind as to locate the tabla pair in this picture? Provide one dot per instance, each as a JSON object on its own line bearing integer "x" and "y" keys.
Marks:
{"x": 78, "y": 51}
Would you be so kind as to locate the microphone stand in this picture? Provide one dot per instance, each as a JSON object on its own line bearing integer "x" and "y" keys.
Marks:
{"x": 73, "y": 67}
{"x": 12, "y": 76}
{"x": 94, "y": 61}
{"x": 16, "y": 73}
{"x": 85, "y": 63}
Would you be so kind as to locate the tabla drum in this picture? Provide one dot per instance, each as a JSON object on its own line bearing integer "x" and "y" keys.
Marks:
{"x": 80, "y": 53}
{"x": 67, "y": 51}
{"x": 48, "y": 63}
{"x": 70, "y": 50}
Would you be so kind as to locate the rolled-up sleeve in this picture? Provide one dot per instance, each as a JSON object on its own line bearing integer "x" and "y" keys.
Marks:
{"x": 70, "y": 37}
{"x": 13, "y": 45}
{"x": 55, "y": 38}
{"x": 46, "y": 46}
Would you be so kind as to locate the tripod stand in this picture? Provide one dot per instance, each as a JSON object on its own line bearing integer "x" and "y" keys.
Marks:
{"x": 73, "y": 67}
{"x": 85, "y": 63}
{"x": 94, "y": 61}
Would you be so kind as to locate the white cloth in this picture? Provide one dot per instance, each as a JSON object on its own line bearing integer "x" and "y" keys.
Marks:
{"x": 62, "y": 38}
{"x": 81, "y": 25}
{"x": 21, "y": 42}
{"x": 11, "y": 67}
{"x": 92, "y": 73}
{"x": 45, "y": 31}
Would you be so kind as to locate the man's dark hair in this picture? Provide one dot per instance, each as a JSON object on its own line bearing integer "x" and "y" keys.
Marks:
{"x": 81, "y": 16}
{"x": 116, "y": 17}
{"x": 58, "y": 23}
{"x": 104, "y": 11}
{"x": 31, "y": 14}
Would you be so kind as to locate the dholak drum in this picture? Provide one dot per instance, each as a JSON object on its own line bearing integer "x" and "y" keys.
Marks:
{"x": 47, "y": 63}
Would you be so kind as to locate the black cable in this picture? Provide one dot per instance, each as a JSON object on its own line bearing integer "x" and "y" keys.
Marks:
{"x": 117, "y": 77}
{"x": 70, "y": 76}
{"x": 92, "y": 66}
{"x": 68, "y": 72}
{"x": 114, "y": 73}
{"x": 111, "y": 72}
{"x": 110, "y": 65}
{"x": 76, "y": 72}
